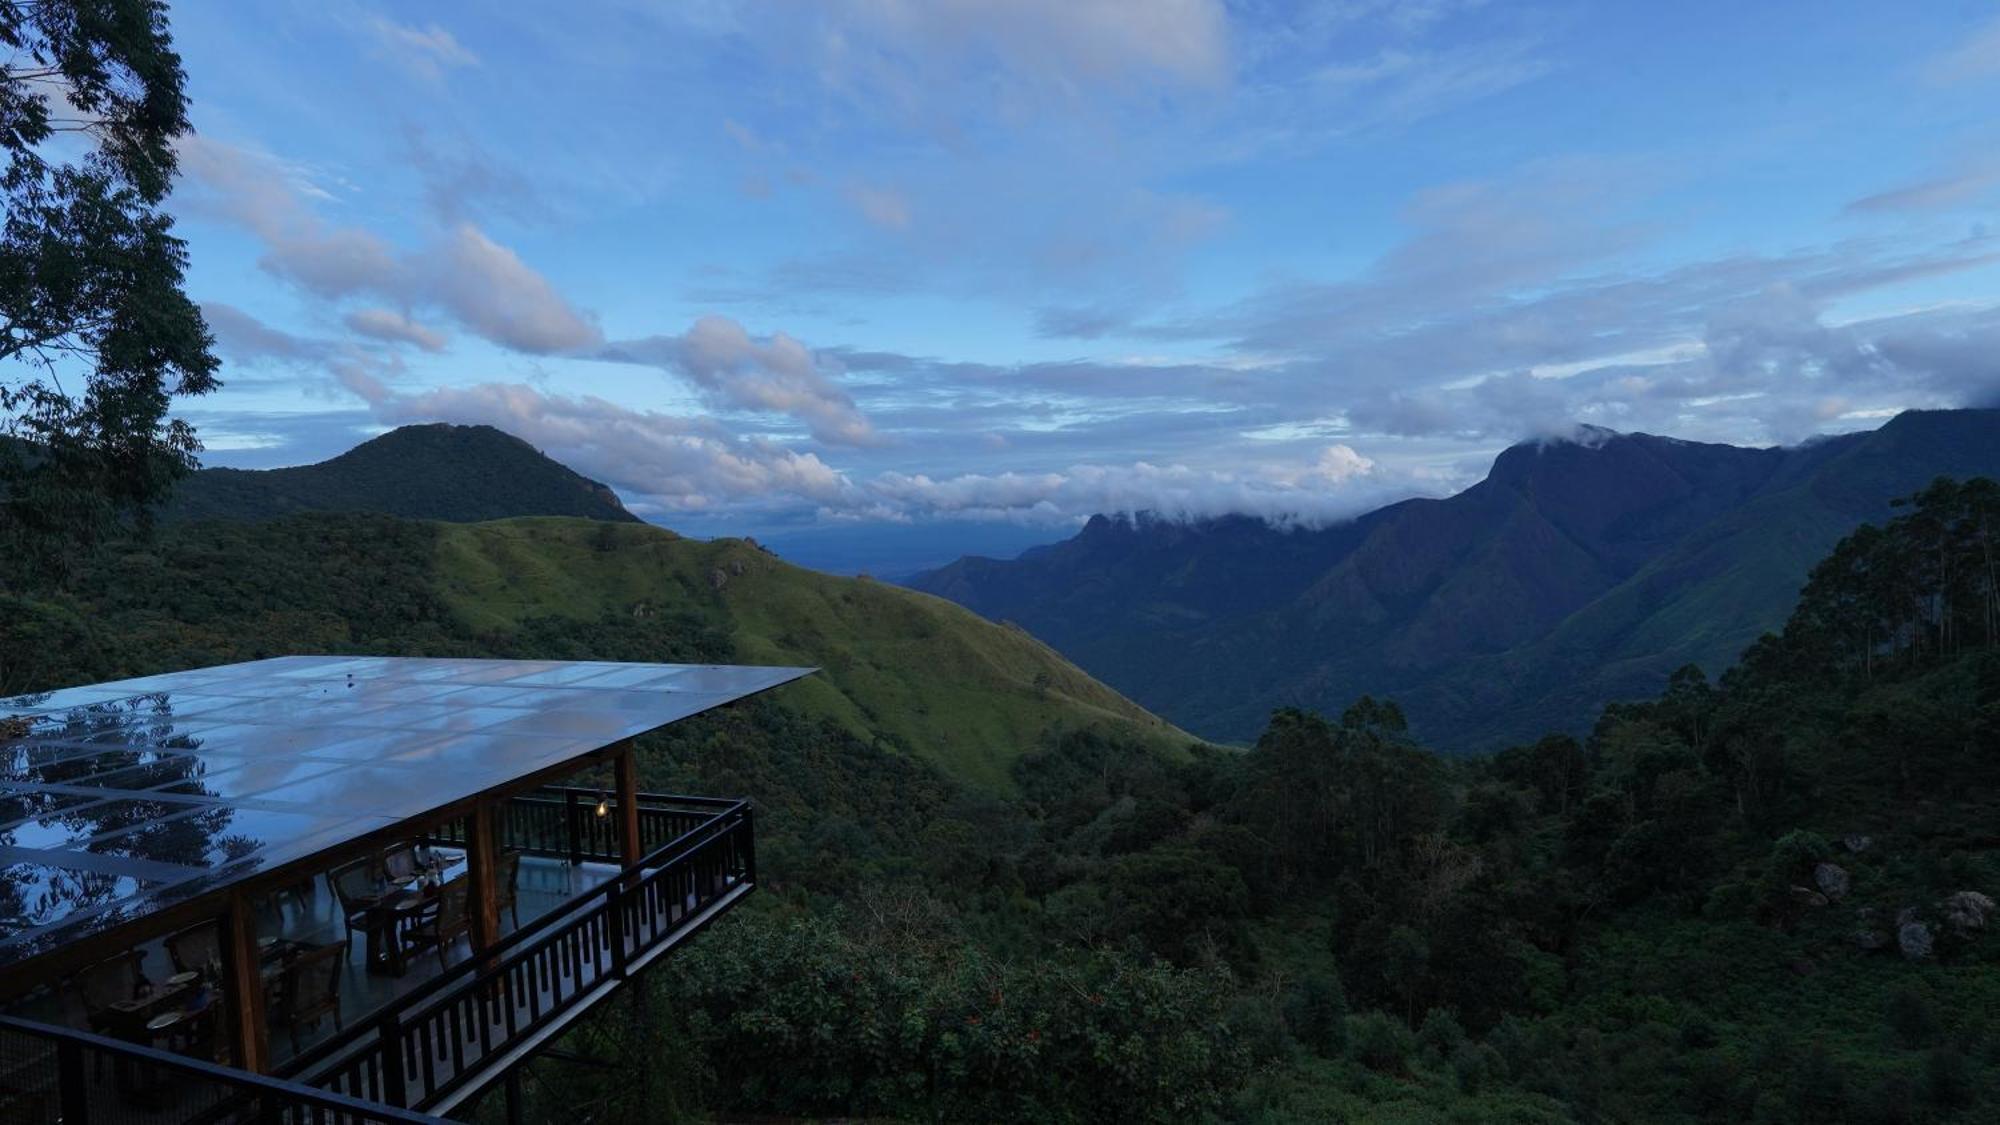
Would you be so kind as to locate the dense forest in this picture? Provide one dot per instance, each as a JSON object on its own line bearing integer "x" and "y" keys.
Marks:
{"x": 1758, "y": 899}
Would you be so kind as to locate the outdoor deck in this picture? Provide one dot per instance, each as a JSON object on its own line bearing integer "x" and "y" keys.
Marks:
{"x": 319, "y": 889}
{"x": 436, "y": 1036}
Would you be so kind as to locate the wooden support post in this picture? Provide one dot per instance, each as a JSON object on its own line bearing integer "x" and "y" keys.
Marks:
{"x": 243, "y": 983}
{"x": 628, "y": 804}
{"x": 481, "y": 850}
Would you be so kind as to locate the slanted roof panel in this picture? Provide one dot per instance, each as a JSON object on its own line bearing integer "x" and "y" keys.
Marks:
{"x": 121, "y": 798}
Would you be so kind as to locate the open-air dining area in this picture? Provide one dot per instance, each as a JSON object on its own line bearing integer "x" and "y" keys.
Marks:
{"x": 321, "y": 885}
{"x": 330, "y": 950}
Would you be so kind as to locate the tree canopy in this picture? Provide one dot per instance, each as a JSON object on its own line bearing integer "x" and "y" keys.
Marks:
{"x": 98, "y": 336}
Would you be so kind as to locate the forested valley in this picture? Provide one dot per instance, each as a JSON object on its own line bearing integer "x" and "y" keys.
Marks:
{"x": 1763, "y": 898}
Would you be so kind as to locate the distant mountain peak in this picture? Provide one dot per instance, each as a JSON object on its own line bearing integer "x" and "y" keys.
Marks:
{"x": 1582, "y": 434}
{"x": 436, "y": 471}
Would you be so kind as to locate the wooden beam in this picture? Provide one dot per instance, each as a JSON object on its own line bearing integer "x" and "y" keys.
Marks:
{"x": 481, "y": 850}
{"x": 628, "y": 804}
{"x": 243, "y": 986}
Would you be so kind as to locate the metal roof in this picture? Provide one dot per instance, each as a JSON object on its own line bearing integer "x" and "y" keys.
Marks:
{"x": 123, "y": 798}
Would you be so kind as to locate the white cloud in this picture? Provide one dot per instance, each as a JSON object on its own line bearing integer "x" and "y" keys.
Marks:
{"x": 884, "y": 207}
{"x": 1055, "y": 43}
{"x": 686, "y": 464}
{"x": 1337, "y": 483}
{"x": 1964, "y": 187}
{"x": 776, "y": 374}
{"x": 426, "y": 52}
{"x": 393, "y": 327}
{"x": 1978, "y": 57}
{"x": 497, "y": 295}
{"x": 481, "y": 284}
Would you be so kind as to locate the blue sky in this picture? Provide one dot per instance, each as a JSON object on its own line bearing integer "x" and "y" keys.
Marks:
{"x": 981, "y": 269}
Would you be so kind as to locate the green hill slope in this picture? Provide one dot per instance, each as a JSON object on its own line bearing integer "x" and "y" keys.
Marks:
{"x": 950, "y": 686}
{"x": 434, "y": 472}
{"x": 904, "y": 672}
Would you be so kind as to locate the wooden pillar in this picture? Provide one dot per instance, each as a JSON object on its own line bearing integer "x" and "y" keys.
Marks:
{"x": 243, "y": 981}
{"x": 627, "y": 764}
{"x": 481, "y": 848}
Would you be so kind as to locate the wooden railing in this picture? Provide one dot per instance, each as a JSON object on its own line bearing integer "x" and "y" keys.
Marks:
{"x": 566, "y": 823}
{"x": 454, "y": 1033}
{"x": 51, "y": 1075}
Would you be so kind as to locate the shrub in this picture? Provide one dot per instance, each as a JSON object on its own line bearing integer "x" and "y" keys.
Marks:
{"x": 1379, "y": 1042}
{"x": 1316, "y": 1014}
{"x": 1912, "y": 1017}
{"x": 1441, "y": 1035}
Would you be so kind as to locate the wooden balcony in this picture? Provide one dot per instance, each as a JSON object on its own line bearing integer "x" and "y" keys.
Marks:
{"x": 425, "y": 932}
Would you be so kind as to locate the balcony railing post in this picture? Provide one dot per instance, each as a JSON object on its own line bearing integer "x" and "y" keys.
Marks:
{"x": 749, "y": 845}
{"x": 72, "y": 1093}
{"x": 389, "y": 1035}
{"x": 614, "y": 905}
{"x": 574, "y": 828}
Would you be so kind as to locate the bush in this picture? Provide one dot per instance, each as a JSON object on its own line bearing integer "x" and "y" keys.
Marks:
{"x": 1380, "y": 1042}
{"x": 1476, "y": 1064}
{"x": 1948, "y": 1081}
{"x": 1912, "y": 1018}
{"x": 1316, "y": 1014}
{"x": 1441, "y": 1035}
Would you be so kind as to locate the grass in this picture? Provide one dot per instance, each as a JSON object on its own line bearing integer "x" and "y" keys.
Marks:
{"x": 914, "y": 671}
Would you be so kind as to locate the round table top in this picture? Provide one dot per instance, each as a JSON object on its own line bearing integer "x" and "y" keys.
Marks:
{"x": 163, "y": 1020}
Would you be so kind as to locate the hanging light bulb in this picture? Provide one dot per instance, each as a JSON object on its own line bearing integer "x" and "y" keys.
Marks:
{"x": 603, "y": 804}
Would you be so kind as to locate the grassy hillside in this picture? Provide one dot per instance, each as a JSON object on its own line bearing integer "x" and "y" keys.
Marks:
{"x": 967, "y": 694}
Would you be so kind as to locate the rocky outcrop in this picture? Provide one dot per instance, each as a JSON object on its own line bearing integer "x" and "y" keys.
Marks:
{"x": 1966, "y": 912}
{"x": 1914, "y": 939}
{"x": 1832, "y": 880}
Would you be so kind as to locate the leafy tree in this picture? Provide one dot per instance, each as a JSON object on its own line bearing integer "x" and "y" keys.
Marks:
{"x": 98, "y": 335}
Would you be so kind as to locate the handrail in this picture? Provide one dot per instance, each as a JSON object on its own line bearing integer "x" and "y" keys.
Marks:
{"x": 69, "y": 1043}
{"x": 501, "y": 947}
{"x": 470, "y": 1016}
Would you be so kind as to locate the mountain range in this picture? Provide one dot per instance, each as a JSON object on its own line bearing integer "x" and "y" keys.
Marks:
{"x": 1580, "y": 571}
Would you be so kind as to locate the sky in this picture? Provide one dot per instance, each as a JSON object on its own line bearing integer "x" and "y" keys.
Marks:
{"x": 917, "y": 273}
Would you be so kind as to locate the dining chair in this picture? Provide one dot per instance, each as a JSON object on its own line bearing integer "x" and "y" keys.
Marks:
{"x": 442, "y": 920}
{"x": 196, "y": 949}
{"x": 400, "y": 862}
{"x": 110, "y": 981}
{"x": 354, "y": 884}
{"x": 506, "y": 889}
{"x": 311, "y": 989}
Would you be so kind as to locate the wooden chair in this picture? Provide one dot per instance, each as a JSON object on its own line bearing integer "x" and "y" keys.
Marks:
{"x": 197, "y": 949}
{"x": 442, "y": 920}
{"x": 400, "y": 863}
{"x": 354, "y": 884}
{"x": 107, "y": 982}
{"x": 506, "y": 893}
{"x": 310, "y": 989}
